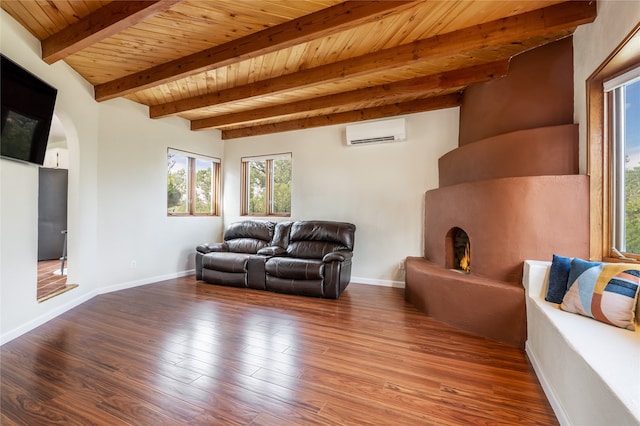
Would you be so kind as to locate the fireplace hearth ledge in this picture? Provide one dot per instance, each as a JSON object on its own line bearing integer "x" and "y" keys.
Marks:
{"x": 481, "y": 306}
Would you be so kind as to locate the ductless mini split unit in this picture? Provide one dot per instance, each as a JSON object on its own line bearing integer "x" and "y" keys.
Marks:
{"x": 377, "y": 132}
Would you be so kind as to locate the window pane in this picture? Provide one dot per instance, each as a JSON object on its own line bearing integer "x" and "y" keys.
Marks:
{"x": 257, "y": 187}
{"x": 177, "y": 184}
{"x": 631, "y": 154}
{"x": 281, "y": 183}
{"x": 266, "y": 186}
{"x": 204, "y": 184}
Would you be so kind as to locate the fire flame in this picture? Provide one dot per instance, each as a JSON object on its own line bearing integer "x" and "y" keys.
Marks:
{"x": 465, "y": 262}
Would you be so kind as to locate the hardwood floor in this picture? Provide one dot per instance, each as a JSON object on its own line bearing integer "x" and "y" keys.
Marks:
{"x": 185, "y": 352}
{"x": 48, "y": 282}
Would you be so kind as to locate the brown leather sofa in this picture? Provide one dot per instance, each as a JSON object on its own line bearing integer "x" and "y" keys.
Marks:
{"x": 310, "y": 258}
{"x": 226, "y": 263}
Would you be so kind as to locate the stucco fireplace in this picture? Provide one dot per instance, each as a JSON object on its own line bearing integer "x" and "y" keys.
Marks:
{"x": 512, "y": 187}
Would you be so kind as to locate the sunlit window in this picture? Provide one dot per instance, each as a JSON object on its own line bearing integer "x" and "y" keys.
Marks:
{"x": 624, "y": 124}
{"x": 266, "y": 187}
{"x": 193, "y": 183}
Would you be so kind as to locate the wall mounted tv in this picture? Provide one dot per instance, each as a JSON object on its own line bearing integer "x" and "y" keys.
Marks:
{"x": 27, "y": 110}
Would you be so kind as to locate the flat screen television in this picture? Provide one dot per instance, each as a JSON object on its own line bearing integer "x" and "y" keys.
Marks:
{"x": 27, "y": 110}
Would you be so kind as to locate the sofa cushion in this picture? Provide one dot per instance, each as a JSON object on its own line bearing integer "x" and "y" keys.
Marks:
{"x": 224, "y": 278}
{"x": 313, "y": 288}
{"x": 246, "y": 245}
{"x": 281, "y": 234}
{"x": 248, "y": 236}
{"x": 312, "y": 249}
{"x": 558, "y": 278}
{"x": 606, "y": 292}
{"x": 314, "y": 239}
{"x": 258, "y": 229}
{"x": 293, "y": 268}
{"x": 226, "y": 261}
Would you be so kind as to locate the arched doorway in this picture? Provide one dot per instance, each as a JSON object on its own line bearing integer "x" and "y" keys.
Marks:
{"x": 52, "y": 215}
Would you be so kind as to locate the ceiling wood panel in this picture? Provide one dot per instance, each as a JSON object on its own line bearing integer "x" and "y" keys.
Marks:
{"x": 318, "y": 24}
{"x": 419, "y": 105}
{"x": 45, "y": 18}
{"x": 104, "y": 22}
{"x": 251, "y": 67}
{"x": 382, "y": 94}
{"x": 503, "y": 34}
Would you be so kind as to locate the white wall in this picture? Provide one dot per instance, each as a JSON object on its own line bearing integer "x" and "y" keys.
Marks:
{"x": 133, "y": 225}
{"x": 117, "y": 179}
{"x": 592, "y": 44}
{"x": 380, "y": 188}
{"x": 19, "y": 195}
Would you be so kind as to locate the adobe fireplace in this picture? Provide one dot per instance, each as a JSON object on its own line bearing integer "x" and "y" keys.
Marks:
{"x": 510, "y": 191}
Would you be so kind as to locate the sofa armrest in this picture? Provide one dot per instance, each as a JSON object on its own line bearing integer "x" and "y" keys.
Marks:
{"x": 339, "y": 256}
{"x": 211, "y": 247}
{"x": 272, "y": 251}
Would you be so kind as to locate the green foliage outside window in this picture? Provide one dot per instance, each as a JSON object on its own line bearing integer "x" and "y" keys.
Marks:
{"x": 257, "y": 187}
{"x": 177, "y": 195}
{"x": 204, "y": 184}
{"x": 268, "y": 189}
{"x": 190, "y": 184}
{"x": 632, "y": 210}
{"x": 281, "y": 187}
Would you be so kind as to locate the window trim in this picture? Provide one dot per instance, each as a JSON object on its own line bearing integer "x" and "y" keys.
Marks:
{"x": 215, "y": 184}
{"x": 244, "y": 194}
{"x": 623, "y": 59}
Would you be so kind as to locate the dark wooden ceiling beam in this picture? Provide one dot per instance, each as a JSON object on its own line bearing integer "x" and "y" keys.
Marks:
{"x": 563, "y": 16}
{"x": 315, "y": 25}
{"x": 99, "y": 25}
{"x": 417, "y": 87}
{"x": 391, "y": 110}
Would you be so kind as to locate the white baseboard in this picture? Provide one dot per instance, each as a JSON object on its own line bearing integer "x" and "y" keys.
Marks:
{"x": 383, "y": 283}
{"x": 546, "y": 387}
{"x": 145, "y": 281}
{"x": 48, "y": 316}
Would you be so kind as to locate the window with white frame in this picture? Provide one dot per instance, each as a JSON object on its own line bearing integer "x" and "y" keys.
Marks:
{"x": 623, "y": 99}
{"x": 266, "y": 185}
{"x": 193, "y": 184}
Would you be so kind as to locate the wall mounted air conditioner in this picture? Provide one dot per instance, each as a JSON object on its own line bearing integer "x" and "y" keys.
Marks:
{"x": 377, "y": 131}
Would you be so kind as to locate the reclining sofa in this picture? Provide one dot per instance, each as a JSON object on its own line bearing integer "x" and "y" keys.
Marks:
{"x": 309, "y": 258}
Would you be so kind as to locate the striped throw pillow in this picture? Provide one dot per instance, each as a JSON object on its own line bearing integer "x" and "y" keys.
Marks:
{"x": 606, "y": 292}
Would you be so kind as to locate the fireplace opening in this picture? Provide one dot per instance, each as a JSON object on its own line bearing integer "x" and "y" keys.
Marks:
{"x": 458, "y": 250}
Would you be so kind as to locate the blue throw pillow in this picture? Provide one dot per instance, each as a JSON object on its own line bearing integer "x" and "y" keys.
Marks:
{"x": 578, "y": 266}
{"x": 558, "y": 278}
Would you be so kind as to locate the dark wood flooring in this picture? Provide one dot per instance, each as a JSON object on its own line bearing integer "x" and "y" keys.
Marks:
{"x": 184, "y": 352}
{"x": 48, "y": 282}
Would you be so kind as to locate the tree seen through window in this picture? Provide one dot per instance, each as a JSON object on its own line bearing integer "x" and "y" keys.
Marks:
{"x": 192, "y": 184}
{"x": 267, "y": 187}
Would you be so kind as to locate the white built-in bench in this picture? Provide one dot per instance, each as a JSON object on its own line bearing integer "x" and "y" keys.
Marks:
{"x": 590, "y": 371}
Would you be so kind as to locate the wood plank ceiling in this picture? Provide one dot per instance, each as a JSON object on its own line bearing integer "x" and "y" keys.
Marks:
{"x": 252, "y": 67}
